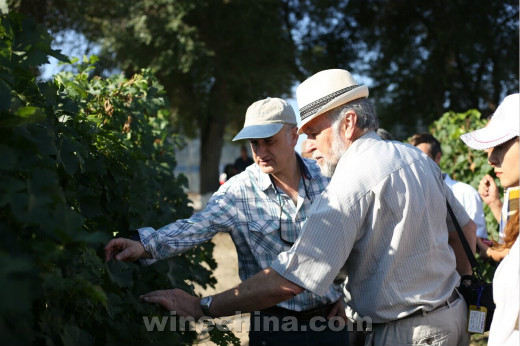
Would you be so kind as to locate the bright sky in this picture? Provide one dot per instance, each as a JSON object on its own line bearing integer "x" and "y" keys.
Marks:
{"x": 294, "y": 105}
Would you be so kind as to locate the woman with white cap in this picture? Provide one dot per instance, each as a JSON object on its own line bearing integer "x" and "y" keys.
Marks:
{"x": 501, "y": 141}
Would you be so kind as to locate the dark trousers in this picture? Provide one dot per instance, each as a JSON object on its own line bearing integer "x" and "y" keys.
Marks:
{"x": 271, "y": 330}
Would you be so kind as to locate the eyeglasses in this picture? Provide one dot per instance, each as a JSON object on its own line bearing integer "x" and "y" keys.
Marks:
{"x": 301, "y": 167}
{"x": 280, "y": 204}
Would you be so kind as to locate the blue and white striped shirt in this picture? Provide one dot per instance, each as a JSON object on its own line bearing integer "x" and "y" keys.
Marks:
{"x": 249, "y": 208}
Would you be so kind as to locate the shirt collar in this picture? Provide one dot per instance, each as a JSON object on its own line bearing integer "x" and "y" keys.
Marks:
{"x": 358, "y": 145}
{"x": 306, "y": 172}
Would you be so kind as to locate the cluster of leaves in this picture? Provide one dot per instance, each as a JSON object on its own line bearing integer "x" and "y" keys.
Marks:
{"x": 211, "y": 71}
{"x": 83, "y": 159}
{"x": 463, "y": 163}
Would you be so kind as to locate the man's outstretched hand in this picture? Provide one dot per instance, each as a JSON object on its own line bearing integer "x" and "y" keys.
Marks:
{"x": 127, "y": 250}
{"x": 176, "y": 300}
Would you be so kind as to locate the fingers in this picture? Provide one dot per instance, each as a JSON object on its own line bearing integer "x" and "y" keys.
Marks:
{"x": 123, "y": 249}
{"x": 338, "y": 309}
{"x": 158, "y": 297}
{"x": 488, "y": 181}
{"x": 127, "y": 254}
{"x": 488, "y": 189}
{"x": 333, "y": 312}
{"x": 113, "y": 247}
{"x": 152, "y": 295}
{"x": 183, "y": 303}
{"x": 483, "y": 188}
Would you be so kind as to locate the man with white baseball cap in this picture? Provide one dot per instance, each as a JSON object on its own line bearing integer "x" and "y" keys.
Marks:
{"x": 263, "y": 209}
{"x": 381, "y": 227}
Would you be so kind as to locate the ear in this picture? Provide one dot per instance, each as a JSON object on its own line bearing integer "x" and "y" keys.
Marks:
{"x": 437, "y": 158}
{"x": 349, "y": 126}
{"x": 294, "y": 135}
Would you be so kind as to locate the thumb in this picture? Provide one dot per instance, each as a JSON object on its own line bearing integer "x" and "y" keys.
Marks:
{"x": 127, "y": 254}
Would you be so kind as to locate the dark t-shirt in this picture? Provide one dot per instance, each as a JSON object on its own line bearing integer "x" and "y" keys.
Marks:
{"x": 241, "y": 165}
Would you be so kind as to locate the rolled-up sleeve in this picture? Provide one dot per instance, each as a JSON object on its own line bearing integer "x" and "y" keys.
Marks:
{"x": 219, "y": 216}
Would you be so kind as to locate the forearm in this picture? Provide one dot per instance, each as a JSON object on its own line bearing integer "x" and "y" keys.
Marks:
{"x": 219, "y": 215}
{"x": 261, "y": 291}
{"x": 176, "y": 238}
{"x": 463, "y": 264}
{"x": 470, "y": 232}
{"x": 496, "y": 209}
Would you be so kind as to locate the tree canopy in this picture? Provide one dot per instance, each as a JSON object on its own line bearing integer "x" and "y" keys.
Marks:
{"x": 424, "y": 58}
{"x": 217, "y": 57}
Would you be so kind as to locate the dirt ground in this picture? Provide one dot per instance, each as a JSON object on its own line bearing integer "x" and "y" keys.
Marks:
{"x": 227, "y": 277}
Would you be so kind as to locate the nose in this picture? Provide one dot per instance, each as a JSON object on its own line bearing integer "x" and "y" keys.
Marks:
{"x": 258, "y": 149}
{"x": 492, "y": 157}
{"x": 310, "y": 145}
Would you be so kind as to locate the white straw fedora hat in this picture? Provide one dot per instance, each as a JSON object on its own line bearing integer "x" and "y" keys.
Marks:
{"x": 503, "y": 126}
{"x": 265, "y": 118}
{"x": 326, "y": 90}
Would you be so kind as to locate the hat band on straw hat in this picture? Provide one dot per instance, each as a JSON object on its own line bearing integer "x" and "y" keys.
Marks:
{"x": 313, "y": 107}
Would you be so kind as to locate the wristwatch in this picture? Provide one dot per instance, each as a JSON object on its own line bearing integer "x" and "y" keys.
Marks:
{"x": 205, "y": 303}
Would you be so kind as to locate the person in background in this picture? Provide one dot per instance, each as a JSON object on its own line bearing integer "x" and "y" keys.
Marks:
{"x": 380, "y": 227}
{"x": 500, "y": 139}
{"x": 304, "y": 150}
{"x": 384, "y": 134}
{"x": 263, "y": 209}
{"x": 229, "y": 172}
{"x": 243, "y": 161}
{"x": 465, "y": 193}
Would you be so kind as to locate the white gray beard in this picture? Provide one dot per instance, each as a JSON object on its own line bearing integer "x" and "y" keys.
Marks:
{"x": 337, "y": 150}
{"x": 328, "y": 168}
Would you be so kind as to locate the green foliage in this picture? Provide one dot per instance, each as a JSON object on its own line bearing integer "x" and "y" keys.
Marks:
{"x": 463, "y": 163}
{"x": 214, "y": 58}
{"x": 83, "y": 159}
{"x": 459, "y": 160}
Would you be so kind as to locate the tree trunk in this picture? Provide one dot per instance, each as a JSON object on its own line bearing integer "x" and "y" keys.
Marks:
{"x": 212, "y": 140}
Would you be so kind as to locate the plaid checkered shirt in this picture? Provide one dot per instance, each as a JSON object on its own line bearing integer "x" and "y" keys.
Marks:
{"x": 260, "y": 219}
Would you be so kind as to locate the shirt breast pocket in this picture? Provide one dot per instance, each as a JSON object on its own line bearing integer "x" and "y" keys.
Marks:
{"x": 264, "y": 236}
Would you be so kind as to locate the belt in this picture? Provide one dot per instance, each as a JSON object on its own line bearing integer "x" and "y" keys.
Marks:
{"x": 305, "y": 315}
{"x": 454, "y": 296}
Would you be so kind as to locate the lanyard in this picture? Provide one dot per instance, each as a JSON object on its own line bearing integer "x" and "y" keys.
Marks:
{"x": 301, "y": 168}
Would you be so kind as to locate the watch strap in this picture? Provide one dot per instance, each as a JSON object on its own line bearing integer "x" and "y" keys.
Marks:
{"x": 205, "y": 303}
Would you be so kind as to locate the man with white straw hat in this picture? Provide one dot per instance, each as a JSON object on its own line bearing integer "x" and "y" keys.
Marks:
{"x": 263, "y": 209}
{"x": 381, "y": 226}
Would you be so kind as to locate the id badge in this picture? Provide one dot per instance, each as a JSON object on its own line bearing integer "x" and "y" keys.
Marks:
{"x": 476, "y": 319}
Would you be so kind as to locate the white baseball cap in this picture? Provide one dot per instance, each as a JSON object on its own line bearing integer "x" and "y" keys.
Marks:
{"x": 503, "y": 126}
{"x": 265, "y": 118}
